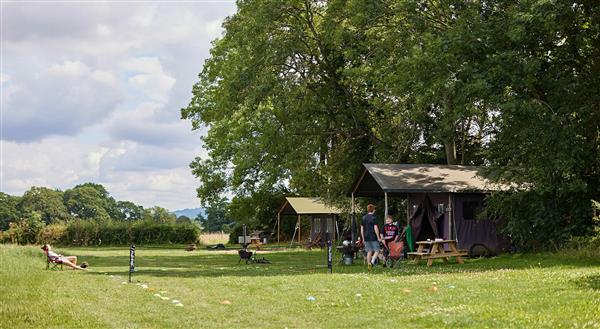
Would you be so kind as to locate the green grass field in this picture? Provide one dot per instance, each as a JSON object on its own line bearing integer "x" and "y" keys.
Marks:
{"x": 510, "y": 291}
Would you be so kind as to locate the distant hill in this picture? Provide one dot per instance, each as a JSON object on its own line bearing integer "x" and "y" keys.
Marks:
{"x": 191, "y": 213}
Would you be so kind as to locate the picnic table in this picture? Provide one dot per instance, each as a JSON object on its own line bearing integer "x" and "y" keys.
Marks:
{"x": 434, "y": 249}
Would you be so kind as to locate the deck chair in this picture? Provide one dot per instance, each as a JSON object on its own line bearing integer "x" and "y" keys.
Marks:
{"x": 53, "y": 264}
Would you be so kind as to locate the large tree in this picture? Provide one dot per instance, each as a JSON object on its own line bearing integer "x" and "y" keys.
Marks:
{"x": 158, "y": 214}
{"x": 302, "y": 92}
{"x": 129, "y": 211}
{"x": 47, "y": 202}
{"x": 91, "y": 201}
{"x": 9, "y": 210}
{"x": 297, "y": 94}
{"x": 216, "y": 216}
{"x": 279, "y": 111}
{"x": 546, "y": 61}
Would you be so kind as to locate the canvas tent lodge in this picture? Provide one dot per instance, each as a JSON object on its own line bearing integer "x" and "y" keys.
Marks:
{"x": 323, "y": 218}
{"x": 442, "y": 200}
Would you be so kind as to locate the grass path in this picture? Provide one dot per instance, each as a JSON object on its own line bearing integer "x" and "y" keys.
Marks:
{"x": 510, "y": 291}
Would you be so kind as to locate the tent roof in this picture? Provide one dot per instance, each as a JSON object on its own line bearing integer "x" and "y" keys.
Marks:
{"x": 417, "y": 178}
{"x": 306, "y": 206}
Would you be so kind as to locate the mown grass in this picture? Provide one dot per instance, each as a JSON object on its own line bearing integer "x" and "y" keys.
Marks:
{"x": 510, "y": 291}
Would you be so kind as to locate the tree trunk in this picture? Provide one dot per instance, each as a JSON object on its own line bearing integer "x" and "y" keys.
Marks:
{"x": 450, "y": 147}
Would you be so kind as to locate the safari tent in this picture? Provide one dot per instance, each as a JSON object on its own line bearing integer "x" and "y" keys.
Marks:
{"x": 443, "y": 201}
{"x": 323, "y": 218}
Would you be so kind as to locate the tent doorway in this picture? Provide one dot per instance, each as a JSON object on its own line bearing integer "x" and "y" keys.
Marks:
{"x": 425, "y": 220}
{"x": 426, "y": 230}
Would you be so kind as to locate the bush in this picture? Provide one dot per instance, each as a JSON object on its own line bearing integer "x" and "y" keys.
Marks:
{"x": 237, "y": 230}
{"x": 83, "y": 232}
{"x": 115, "y": 232}
{"x": 52, "y": 234}
{"x": 541, "y": 220}
{"x": 24, "y": 231}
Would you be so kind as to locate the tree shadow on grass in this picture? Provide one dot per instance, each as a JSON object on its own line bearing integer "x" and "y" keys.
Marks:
{"x": 305, "y": 263}
{"x": 589, "y": 282}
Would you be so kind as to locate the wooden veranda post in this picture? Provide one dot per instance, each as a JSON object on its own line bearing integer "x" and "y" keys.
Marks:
{"x": 386, "y": 205}
{"x": 278, "y": 225}
{"x": 353, "y": 225}
{"x": 407, "y": 210}
{"x": 450, "y": 217}
{"x": 299, "y": 229}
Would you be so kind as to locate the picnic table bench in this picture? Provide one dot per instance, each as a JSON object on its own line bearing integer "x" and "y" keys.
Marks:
{"x": 436, "y": 250}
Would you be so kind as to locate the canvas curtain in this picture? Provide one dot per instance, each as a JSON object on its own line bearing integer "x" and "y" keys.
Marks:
{"x": 426, "y": 214}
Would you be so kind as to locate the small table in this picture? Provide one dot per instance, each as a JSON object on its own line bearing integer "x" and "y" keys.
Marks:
{"x": 436, "y": 250}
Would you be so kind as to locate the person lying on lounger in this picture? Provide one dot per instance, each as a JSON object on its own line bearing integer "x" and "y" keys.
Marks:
{"x": 70, "y": 261}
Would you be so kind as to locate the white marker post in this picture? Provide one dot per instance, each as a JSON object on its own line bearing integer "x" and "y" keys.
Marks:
{"x": 329, "y": 254}
{"x": 131, "y": 261}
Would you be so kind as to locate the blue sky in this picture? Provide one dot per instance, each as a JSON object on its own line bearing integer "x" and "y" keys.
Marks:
{"x": 91, "y": 91}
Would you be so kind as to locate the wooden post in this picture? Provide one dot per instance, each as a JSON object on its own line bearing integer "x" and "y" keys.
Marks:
{"x": 278, "y": 225}
{"x": 353, "y": 225}
{"x": 386, "y": 206}
{"x": 450, "y": 209}
{"x": 299, "y": 230}
{"x": 408, "y": 212}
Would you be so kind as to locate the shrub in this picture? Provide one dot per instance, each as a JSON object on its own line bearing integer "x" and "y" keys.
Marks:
{"x": 541, "y": 220}
{"x": 237, "y": 230}
{"x": 114, "y": 232}
{"x": 186, "y": 233}
{"x": 82, "y": 232}
{"x": 53, "y": 234}
{"x": 25, "y": 230}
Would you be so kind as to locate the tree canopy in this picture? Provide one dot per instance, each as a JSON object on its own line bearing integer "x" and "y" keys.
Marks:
{"x": 217, "y": 217}
{"x": 88, "y": 201}
{"x": 297, "y": 94}
{"x": 47, "y": 202}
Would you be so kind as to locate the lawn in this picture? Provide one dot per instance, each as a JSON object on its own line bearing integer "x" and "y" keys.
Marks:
{"x": 295, "y": 291}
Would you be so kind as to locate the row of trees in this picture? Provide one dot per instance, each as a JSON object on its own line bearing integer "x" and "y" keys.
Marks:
{"x": 85, "y": 201}
{"x": 87, "y": 214}
{"x": 297, "y": 94}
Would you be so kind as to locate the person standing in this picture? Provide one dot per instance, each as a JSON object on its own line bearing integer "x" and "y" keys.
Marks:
{"x": 369, "y": 232}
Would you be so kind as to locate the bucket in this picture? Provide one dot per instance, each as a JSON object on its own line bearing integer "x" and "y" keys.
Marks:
{"x": 348, "y": 260}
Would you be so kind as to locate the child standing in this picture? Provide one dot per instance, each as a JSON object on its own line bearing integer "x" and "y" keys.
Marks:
{"x": 390, "y": 231}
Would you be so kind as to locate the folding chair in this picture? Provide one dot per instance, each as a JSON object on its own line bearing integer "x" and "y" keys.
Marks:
{"x": 393, "y": 253}
{"x": 53, "y": 264}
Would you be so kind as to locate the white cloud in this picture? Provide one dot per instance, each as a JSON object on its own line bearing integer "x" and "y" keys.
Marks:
{"x": 147, "y": 175}
{"x": 213, "y": 28}
{"x": 61, "y": 100}
{"x": 4, "y": 78}
{"x": 150, "y": 78}
{"x": 92, "y": 92}
{"x": 103, "y": 31}
{"x": 146, "y": 125}
{"x": 54, "y": 162}
{"x": 69, "y": 69}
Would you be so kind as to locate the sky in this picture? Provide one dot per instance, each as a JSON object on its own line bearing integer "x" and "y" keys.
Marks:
{"x": 92, "y": 92}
